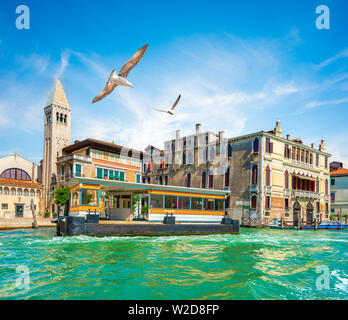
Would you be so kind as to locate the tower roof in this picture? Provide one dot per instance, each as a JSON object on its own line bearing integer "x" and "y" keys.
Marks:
{"x": 58, "y": 96}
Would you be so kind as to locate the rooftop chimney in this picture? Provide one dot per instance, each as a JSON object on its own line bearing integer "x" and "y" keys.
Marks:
{"x": 322, "y": 145}
{"x": 177, "y": 134}
{"x": 77, "y": 141}
{"x": 287, "y": 136}
{"x": 278, "y": 129}
{"x": 312, "y": 145}
{"x": 198, "y": 128}
{"x": 221, "y": 135}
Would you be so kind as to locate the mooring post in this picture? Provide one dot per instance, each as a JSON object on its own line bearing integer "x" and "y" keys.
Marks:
{"x": 315, "y": 224}
{"x": 282, "y": 222}
{"x": 299, "y": 224}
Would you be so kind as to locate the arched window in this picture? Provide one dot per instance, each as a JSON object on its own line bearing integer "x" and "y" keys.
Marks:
{"x": 326, "y": 187}
{"x": 254, "y": 174}
{"x": 188, "y": 180}
{"x": 32, "y": 193}
{"x": 19, "y": 192}
{"x": 13, "y": 191}
{"x": 212, "y": 154}
{"x": 268, "y": 176}
{"x": 256, "y": 145}
{"x": 6, "y": 191}
{"x": 204, "y": 179}
{"x": 227, "y": 177}
{"x": 15, "y": 174}
{"x": 26, "y": 192}
{"x": 0, "y": 191}
{"x": 189, "y": 157}
{"x": 38, "y": 193}
{"x": 75, "y": 199}
{"x": 253, "y": 202}
{"x": 286, "y": 179}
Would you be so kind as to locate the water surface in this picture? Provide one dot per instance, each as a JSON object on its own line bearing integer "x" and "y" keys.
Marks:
{"x": 257, "y": 264}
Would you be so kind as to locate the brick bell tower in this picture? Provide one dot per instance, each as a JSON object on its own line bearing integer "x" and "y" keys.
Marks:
{"x": 57, "y": 135}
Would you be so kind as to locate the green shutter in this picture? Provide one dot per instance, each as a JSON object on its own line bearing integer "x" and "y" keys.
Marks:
{"x": 122, "y": 176}
{"x": 99, "y": 173}
{"x": 78, "y": 170}
{"x": 138, "y": 178}
{"x": 111, "y": 174}
{"x": 117, "y": 175}
{"x": 106, "y": 172}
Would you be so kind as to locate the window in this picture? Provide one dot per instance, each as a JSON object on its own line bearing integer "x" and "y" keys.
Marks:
{"x": 211, "y": 180}
{"x": 38, "y": 193}
{"x": 332, "y": 197}
{"x": 269, "y": 146}
{"x": 254, "y": 174}
{"x": 229, "y": 151}
{"x": 267, "y": 202}
{"x": 286, "y": 203}
{"x": 32, "y": 193}
{"x": 170, "y": 202}
{"x": 89, "y": 197}
{"x": 196, "y": 203}
{"x": 156, "y": 201}
{"x": 253, "y": 202}
{"x": 75, "y": 199}
{"x": 286, "y": 179}
{"x": 268, "y": 176}
{"x": 138, "y": 178}
{"x": 287, "y": 151}
{"x": 204, "y": 179}
{"x": 166, "y": 180}
{"x": 326, "y": 187}
{"x": 26, "y": 192}
{"x": 227, "y": 177}
{"x": 208, "y": 204}
{"x": 317, "y": 186}
{"x": 188, "y": 180}
{"x": 6, "y": 191}
{"x": 4, "y": 206}
{"x": 0, "y": 191}
{"x": 19, "y": 192}
{"x": 99, "y": 173}
{"x": 332, "y": 182}
{"x": 318, "y": 206}
{"x": 13, "y": 191}
{"x": 184, "y": 202}
{"x": 219, "y": 205}
{"x": 160, "y": 180}
{"x": 122, "y": 176}
{"x": 256, "y": 145}
{"x": 15, "y": 174}
{"x": 326, "y": 163}
{"x": 326, "y": 208}
{"x": 317, "y": 160}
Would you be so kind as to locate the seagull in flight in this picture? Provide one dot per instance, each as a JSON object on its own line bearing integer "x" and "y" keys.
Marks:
{"x": 171, "y": 110}
{"x": 120, "y": 79}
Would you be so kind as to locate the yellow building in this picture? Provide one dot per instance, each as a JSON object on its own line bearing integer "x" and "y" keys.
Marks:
{"x": 19, "y": 185}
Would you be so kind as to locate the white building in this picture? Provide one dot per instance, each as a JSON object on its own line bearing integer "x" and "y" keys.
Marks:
{"x": 339, "y": 191}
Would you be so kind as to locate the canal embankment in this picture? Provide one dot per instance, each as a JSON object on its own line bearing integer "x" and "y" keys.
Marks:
{"x": 24, "y": 223}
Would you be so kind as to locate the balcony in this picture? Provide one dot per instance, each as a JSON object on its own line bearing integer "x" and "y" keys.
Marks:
{"x": 71, "y": 157}
{"x": 268, "y": 189}
{"x": 63, "y": 178}
{"x": 299, "y": 164}
{"x": 287, "y": 192}
{"x": 326, "y": 198}
{"x": 306, "y": 194}
{"x": 253, "y": 188}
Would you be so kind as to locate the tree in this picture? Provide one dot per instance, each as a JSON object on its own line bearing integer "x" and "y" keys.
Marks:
{"x": 61, "y": 195}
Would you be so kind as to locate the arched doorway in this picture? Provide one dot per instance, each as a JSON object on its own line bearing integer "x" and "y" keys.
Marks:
{"x": 296, "y": 212}
{"x": 309, "y": 213}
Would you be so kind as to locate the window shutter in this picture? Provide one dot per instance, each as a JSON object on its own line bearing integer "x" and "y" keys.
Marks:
{"x": 271, "y": 147}
{"x": 122, "y": 176}
{"x": 99, "y": 173}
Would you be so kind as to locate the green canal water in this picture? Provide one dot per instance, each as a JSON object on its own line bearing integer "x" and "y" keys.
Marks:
{"x": 257, "y": 264}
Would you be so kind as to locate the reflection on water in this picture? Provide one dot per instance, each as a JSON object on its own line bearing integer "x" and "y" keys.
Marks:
{"x": 257, "y": 264}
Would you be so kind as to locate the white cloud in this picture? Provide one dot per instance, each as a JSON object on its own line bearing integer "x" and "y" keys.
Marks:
{"x": 342, "y": 54}
{"x": 315, "y": 104}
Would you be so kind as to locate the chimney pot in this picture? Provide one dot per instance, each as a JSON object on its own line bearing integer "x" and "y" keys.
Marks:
{"x": 198, "y": 128}
{"x": 288, "y": 136}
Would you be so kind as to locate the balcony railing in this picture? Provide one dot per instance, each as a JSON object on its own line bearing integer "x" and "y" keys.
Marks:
{"x": 268, "y": 189}
{"x": 287, "y": 192}
{"x": 306, "y": 194}
{"x": 253, "y": 188}
{"x": 79, "y": 157}
{"x": 70, "y": 176}
{"x": 300, "y": 164}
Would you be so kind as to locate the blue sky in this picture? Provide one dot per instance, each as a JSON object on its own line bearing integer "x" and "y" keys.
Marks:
{"x": 239, "y": 65}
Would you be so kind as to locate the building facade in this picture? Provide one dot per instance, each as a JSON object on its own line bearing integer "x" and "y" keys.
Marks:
{"x": 19, "y": 186}
{"x": 268, "y": 177}
{"x": 339, "y": 192}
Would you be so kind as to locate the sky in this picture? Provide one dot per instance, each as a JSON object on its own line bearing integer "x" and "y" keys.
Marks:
{"x": 239, "y": 66}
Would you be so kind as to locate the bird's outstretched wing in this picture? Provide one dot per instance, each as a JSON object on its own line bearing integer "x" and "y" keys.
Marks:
{"x": 161, "y": 110}
{"x": 106, "y": 91}
{"x": 112, "y": 75}
{"x": 131, "y": 63}
{"x": 176, "y": 102}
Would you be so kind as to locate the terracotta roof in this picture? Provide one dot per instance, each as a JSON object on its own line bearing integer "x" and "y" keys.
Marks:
{"x": 20, "y": 183}
{"x": 339, "y": 172}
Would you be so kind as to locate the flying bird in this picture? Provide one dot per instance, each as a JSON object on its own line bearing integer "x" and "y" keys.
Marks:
{"x": 171, "y": 110}
{"x": 120, "y": 79}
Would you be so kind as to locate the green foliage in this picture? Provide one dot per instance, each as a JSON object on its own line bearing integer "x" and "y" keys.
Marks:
{"x": 61, "y": 195}
{"x": 47, "y": 214}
